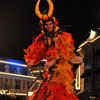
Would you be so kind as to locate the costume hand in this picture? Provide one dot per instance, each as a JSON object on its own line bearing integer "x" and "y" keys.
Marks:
{"x": 76, "y": 60}
{"x": 50, "y": 63}
{"x": 29, "y": 65}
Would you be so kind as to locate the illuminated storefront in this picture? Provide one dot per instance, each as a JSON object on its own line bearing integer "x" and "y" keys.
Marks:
{"x": 15, "y": 79}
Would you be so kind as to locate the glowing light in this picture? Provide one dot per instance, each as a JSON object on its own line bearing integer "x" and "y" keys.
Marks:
{"x": 79, "y": 49}
{"x": 89, "y": 41}
{"x": 36, "y": 71}
{"x": 38, "y": 80}
{"x": 44, "y": 60}
{"x": 7, "y": 62}
{"x": 83, "y": 44}
{"x": 4, "y": 73}
{"x": 78, "y": 79}
{"x": 4, "y": 92}
{"x": 92, "y": 35}
{"x": 15, "y": 62}
{"x": 21, "y": 94}
{"x": 95, "y": 39}
{"x": 30, "y": 93}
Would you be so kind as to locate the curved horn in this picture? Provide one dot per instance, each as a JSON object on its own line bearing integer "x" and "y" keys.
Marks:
{"x": 51, "y": 8}
{"x": 45, "y": 16}
{"x": 37, "y": 11}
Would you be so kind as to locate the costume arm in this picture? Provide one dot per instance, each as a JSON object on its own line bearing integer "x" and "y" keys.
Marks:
{"x": 36, "y": 51}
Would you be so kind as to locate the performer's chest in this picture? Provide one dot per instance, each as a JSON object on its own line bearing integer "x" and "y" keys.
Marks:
{"x": 49, "y": 42}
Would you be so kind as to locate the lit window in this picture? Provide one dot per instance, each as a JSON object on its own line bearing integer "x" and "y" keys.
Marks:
{"x": 18, "y": 70}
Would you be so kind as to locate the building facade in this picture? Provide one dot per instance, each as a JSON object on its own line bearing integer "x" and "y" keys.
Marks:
{"x": 16, "y": 79}
{"x": 91, "y": 75}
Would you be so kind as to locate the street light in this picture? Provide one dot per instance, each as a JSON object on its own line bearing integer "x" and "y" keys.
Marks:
{"x": 92, "y": 98}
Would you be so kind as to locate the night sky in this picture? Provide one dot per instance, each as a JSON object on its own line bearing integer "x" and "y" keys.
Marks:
{"x": 18, "y": 22}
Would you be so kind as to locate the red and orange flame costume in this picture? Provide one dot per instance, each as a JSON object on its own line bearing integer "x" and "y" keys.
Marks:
{"x": 59, "y": 87}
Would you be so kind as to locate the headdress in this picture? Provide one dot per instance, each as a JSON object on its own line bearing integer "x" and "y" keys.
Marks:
{"x": 46, "y": 16}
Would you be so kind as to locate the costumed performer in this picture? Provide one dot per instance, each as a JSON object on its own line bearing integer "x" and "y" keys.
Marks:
{"x": 57, "y": 46}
